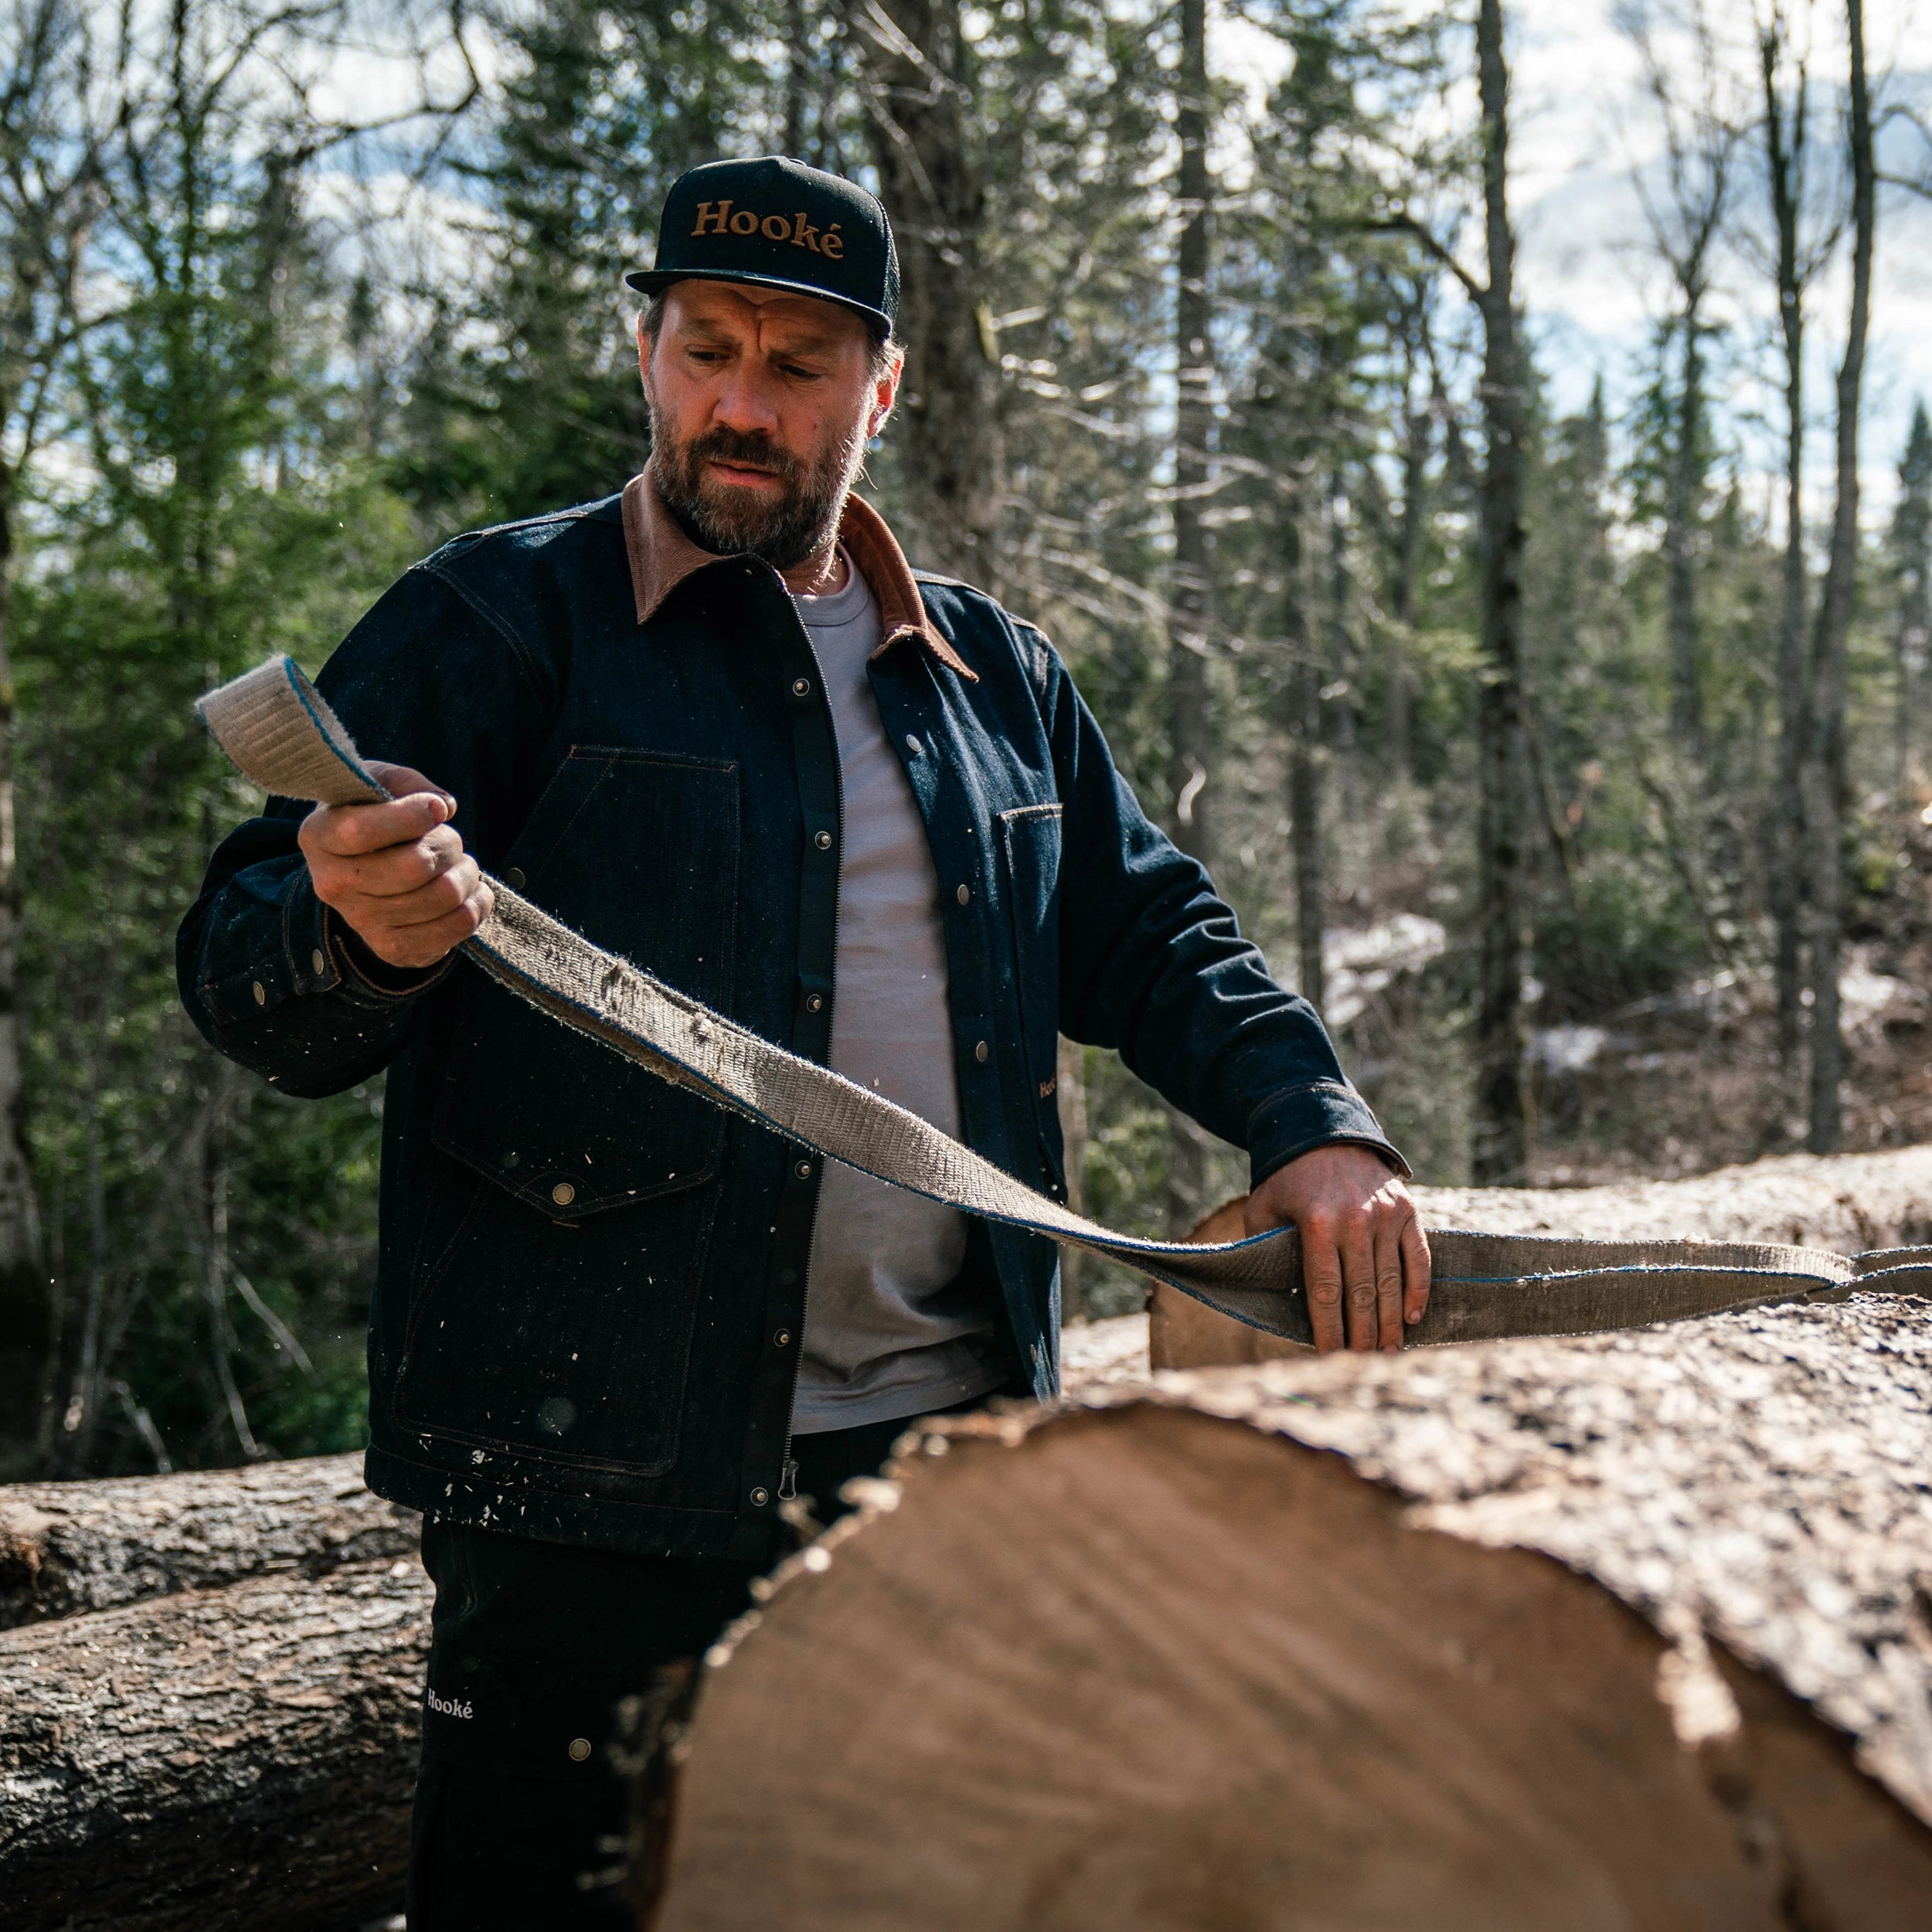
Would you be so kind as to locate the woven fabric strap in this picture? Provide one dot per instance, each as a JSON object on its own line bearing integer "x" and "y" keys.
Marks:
{"x": 280, "y": 733}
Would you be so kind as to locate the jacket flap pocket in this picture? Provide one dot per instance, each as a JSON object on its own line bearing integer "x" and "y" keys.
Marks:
{"x": 638, "y": 850}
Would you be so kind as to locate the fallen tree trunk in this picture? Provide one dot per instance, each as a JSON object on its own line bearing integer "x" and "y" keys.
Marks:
{"x": 1846, "y": 1203}
{"x": 1287, "y": 1647}
{"x": 69, "y": 1547}
{"x": 235, "y": 1758}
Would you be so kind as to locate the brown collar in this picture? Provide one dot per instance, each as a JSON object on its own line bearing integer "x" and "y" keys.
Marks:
{"x": 662, "y": 556}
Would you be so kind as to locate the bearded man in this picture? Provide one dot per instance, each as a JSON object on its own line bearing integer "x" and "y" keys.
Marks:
{"x": 717, "y": 725}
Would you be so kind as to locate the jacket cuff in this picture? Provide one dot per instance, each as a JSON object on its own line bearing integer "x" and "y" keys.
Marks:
{"x": 352, "y": 968}
{"x": 1313, "y": 1113}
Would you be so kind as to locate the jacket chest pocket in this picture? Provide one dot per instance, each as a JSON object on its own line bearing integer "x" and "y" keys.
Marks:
{"x": 639, "y": 850}
{"x": 1030, "y": 849}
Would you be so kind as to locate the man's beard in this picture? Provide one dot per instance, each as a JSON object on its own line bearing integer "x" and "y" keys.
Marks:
{"x": 783, "y": 530}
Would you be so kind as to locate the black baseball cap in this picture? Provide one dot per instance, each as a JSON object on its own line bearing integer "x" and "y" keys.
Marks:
{"x": 781, "y": 225}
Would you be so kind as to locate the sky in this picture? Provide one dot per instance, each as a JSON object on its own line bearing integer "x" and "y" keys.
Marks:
{"x": 1583, "y": 134}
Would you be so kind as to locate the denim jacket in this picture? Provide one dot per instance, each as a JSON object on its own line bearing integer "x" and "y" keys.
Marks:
{"x": 591, "y": 1286}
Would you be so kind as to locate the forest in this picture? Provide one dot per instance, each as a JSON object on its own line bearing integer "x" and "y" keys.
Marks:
{"x": 1568, "y": 741}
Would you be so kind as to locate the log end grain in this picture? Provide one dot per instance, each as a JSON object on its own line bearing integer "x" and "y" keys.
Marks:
{"x": 1170, "y": 1661}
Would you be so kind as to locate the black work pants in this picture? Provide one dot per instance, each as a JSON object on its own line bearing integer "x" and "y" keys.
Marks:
{"x": 534, "y": 1644}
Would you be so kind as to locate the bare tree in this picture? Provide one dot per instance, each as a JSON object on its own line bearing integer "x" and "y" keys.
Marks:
{"x": 1188, "y": 725}
{"x": 1702, "y": 135}
{"x": 913, "y": 65}
{"x": 1801, "y": 248}
{"x": 1302, "y": 707}
{"x": 1825, "y": 767}
{"x": 1500, "y": 1149}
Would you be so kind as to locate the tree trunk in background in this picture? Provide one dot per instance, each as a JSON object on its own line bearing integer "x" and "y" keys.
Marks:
{"x": 1302, "y": 705}
{"x": 1338, "y": 673}
{"x": 1680, "y": 527}
{"x": 28, "y": 1340}
{"x": 1499, "y": 1152}
{"x": 1416, "y": 439}
{"x": 1785, "y": 157}
{"x": 1826, "y": 774}
{"x": 1189, "y": 748}
{"x": 1912, "y": 559}
{"x": 795, "y": 70}
{"x": 918, "y": 125}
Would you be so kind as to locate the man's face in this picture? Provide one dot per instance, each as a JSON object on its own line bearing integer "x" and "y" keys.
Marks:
{"x": 760, "y": 404}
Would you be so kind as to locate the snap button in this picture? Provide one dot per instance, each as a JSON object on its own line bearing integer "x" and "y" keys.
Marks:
{"x": 801, "y": 687}
{"x": 261, "y": 993}
{"x": 912, "y": 744}
{"x": 979, "y": 1052}
{"x": 802, "y": 1170}
{"x": 563, "y": 1194}
{"x": 580, "y": 1750}
{"x": 822, "y": 840}
{"x": 514, "y": 879}
{"x": 317, "y": 960}
{"x": 964, "y": 895}
{"x": 759, "y": 1497}
{"x": 782, "y": 1339}
{"x": 815, "y": 1003}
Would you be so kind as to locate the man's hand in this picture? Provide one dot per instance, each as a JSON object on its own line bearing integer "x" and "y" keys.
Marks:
{"x": 397, "y": 873}
{"x": 1362, "y": 1248}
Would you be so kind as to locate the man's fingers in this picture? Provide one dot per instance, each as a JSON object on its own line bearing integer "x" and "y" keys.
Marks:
{"x": 1387, "y": 1267}
{"x": 1322, "y": 1275}
{"x": 423, "y": 904}
{"x": 424, "y": 944}
{"x": 400, "y": 780}
{"x": 353, "y": 832}
{"x": 1358, "y": 1273}
{"x": 1415, "y": 1270}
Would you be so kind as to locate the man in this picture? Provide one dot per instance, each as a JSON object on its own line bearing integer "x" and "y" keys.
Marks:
{"x": 719, "y": 725}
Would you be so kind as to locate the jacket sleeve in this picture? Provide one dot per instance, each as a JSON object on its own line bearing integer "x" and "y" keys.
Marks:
{"x": 1153, "y": 963}
{"x": 429, "y": 678}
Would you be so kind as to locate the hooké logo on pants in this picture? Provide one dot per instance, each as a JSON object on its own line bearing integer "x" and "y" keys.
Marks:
{"x": 448, "y": 1706}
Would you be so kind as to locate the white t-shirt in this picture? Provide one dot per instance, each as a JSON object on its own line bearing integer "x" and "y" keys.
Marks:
{"x": 888, "y": 1332}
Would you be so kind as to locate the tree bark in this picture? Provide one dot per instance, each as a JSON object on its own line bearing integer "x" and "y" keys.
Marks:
{"x": 1189, "y": 730}
{"x": 1825, "y": 792}
{"x": 1848, "y": 1204}
{"x": 1288, "y": 1647}
{"x": 1786, "y": 134}
{"x": 1500, "y": 1148}
{"x": 1303, "y": 697}
{"x": 232, "y": 1758}
{"x": 917, "y": 119}
{"x": 1680, "y": 533}
{"x": 70, "y": 1548}
{"x": 1417, "y": 424}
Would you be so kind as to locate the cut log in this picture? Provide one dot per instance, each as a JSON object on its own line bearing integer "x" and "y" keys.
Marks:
{"x": 234, "y": 1758}
{"x": 1627, "y": 1632}
{"x": 68, "y": 1547}
{"x": 1846, "y": 1203}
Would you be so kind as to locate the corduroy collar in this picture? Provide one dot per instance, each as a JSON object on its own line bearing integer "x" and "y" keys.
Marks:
{"x": 662, "y": 556}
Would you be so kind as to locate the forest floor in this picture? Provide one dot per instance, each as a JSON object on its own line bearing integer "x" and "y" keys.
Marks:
{"x": 1689, "y": 1080}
